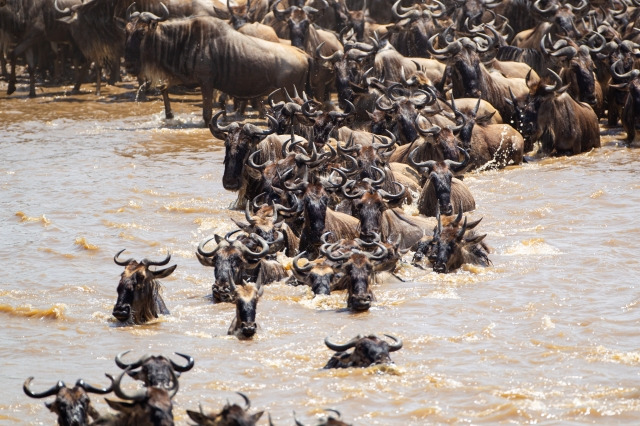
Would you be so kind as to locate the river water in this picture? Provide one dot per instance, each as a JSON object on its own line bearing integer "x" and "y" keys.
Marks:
{"x": 548, "y": 334}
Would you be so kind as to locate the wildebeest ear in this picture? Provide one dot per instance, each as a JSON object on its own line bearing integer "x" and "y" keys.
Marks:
{"x": 485, "y": 118}
{"x": 153, "y": 25}
{"x": 68, "y": 19}
{"x": 218, "y": 238}
{"x": 257, "y": 416}
{"x": 163, "y": 273}
{"x": 205, "y": 261}
{"x": 199, "y": 418}
{"x": 475, "y": 240}
{"x": 51, "y": 406}
{"x": 121, "y": 24}
{"x": 260, "y": 291}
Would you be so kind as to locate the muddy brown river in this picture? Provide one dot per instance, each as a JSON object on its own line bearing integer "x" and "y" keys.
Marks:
{"x": 547, "y": 335}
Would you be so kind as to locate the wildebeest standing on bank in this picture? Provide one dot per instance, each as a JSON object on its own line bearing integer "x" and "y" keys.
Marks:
{"x": 206, "y": 51}
{"x": 139, "y": 298}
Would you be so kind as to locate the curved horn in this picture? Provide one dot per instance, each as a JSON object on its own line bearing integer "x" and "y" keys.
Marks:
{"x": 119, "y": 262}
{"x": 148, "y": 263}
{"x": 340, "y": 348}
{"x": 204, "y": 253}
{"x": 451, "y": 49}
{"x": 182, "y": 368}
{"x": 396, "y": 345}
{"x": 456, "y": 166}
{"x": 301, "y": 269}
{"x": 409, "y": 13}
{"x": 117, "y": 389}
{"x": 336, "y": 56}
{"x": 52, "y": 391}
{"x": 130, "y": 12}
{"x": 100, "y": 391}
{"x": 213, "y": 124}
{"x": 628, "y": 76}
{"x": 429, "y": 164}
{"x": 394, "y": 197}
{"x": 261, "y": 253}
{"x": 151, "y": 17}
{"x": 247, "y": 214}
{"x": 123, "y": 365}
{"x": 384, "y": 108}
{"x": 251, "y": 162}
{"x": 65, "y": 11}
{"x": 557, "y": 82}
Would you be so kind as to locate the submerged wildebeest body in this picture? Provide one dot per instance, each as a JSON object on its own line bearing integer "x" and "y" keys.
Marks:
{"x": 230, "y": 258}
{"x": 367, "y": 351}
{"x": 154, "y": 370}
{"x": 150, "y": 406}
{"x": 454, "y": 245}
{"x": 230, "y": 415}
{"x": 244, "y": 324}
{"x": 208, "y": 52}
{"x": 72, "y": 405}
{"x": 139, "y": 298}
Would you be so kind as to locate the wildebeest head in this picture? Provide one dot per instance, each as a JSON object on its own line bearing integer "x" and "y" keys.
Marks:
{"x": 452, "y": 246}
{"x": 464, "y": 62}
{"x": 367, "y": 351}
{"x": 562, "y": 16}
{"x": 267, "y": 222}
{"x": 148, "y": 406}
{"x": 538, "y": 93}
{"x": 154, "y": 370}
{"x": 72, "y": 405}
{"x": 231, "y": 414}
{"x": 578, "y": 68}
{"x": 239, "y": 143}
{"x": 239, "y": 15}
{"x": 359, "y": 268}
{"x": 440, "y": 175}
{"x": 229, "y": 259}
{"x": 317, "y": 274}
{"x": 327, "y": 421}
{"x": 325, "y": 122}
{"x": 368, "y": 208}
{"x": 139, "y": 297}
{"x": 138, "y": 26}
{"x": 404, "y": 109}
{"x": 445, "y": 146}
{"x": 244, "y": 324}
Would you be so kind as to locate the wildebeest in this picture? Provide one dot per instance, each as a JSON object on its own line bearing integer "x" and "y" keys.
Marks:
{"x": 244, "y": 324}
{"x": 150, "y": 406}
{"x": 359, "y": 268}
{"x": 139, "y": 298}
{"x": 562, "y": 125}
{"x": 330, "y": 420}
{"x": 230, "y": 415}
{"x": 154, "y": 370}
{"x": 629, "y": 82}
{"x": 367, "y": 351}
{"x": 317, "y": 274}
{"x": 208, "y": 52}
{"x": 240, "y": 141}
{"x": 229, "y": 259}
{"x": 454, "y": 245}
{"x": 72, "y": 405}
{"x": 441, "y": 190}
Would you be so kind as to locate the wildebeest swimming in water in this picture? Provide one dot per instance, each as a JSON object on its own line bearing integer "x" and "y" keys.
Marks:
{"x": 154, "y": 370}
{"x": 231, "y": 414}
{"x": 72, "y": 405}
{"x": 367, "y": 351}
{"x": 139, "y": 298}
{"x": 150, "y": 406}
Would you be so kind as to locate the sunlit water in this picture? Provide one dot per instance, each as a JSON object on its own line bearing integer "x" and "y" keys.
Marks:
{"x": 548, "y": 334}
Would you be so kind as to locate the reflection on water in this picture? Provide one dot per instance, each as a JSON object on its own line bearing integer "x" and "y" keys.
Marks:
{"x": 547, "y": 334}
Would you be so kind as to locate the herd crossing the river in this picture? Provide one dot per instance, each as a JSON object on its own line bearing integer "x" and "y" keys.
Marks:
{"x": 374, "y": 110}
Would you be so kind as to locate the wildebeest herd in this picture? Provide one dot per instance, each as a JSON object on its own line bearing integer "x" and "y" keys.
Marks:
{"x": 371, "y": 106}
